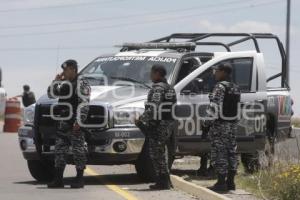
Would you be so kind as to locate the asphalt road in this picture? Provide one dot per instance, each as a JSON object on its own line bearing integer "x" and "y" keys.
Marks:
{"x": 102, "y": 182}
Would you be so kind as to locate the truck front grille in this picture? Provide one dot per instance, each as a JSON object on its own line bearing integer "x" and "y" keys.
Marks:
{"x": 97, "y": 117}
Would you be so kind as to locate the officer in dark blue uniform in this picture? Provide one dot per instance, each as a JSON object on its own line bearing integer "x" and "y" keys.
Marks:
{"x": 73, "y": 92}
{"x": 223, "y": 109}
{"x": 157, "y": 123}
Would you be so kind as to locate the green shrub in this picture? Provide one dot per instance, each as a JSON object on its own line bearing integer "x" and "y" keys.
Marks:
{"x": 286, "y": 184}
{"x": 281, "y": 182}
{"x": 296, "y": 121}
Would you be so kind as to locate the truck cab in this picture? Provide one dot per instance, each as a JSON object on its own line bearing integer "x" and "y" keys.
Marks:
{"x": 120, "y": 83}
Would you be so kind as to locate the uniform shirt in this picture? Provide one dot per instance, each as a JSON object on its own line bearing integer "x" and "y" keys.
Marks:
{"x": 216, "y": 98}
{"x": 224, "y": 103}
{"x": 160, "y": 93}
{"x": 62, "y": 88}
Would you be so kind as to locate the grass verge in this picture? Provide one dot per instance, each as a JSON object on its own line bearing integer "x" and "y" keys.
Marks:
{"x": 296, "y": 122}
{"x": 280, "y": 182}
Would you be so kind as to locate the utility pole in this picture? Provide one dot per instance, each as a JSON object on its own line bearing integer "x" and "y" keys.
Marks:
{"x": 287, "y": 42}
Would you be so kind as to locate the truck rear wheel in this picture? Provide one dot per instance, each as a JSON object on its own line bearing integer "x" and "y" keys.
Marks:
{"x": 260, "y": 160}
{"x": 42, "y": 171}
{"x": 144, "y": 166}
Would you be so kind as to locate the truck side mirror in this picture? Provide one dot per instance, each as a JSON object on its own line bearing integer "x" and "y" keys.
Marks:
{"x": 185, "y": 91}
{"x": 199, "y": 80}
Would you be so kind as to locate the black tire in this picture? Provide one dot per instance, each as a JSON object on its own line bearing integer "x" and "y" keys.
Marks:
{"x": 250, "y": 162}
{"x": 260, "y": 160}
{"x": 42, "y": 171}
{"x": 144, "y": 166}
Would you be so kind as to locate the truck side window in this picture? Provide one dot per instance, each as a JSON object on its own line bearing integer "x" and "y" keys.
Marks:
{"x": 204, "y": 83}
{"x": 187, "y": 67}
{"x": 241, "y": 75}
{"x": 242, "y": 69}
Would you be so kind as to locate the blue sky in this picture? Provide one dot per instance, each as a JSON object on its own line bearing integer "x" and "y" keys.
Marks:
{"x": 36, "y": 36}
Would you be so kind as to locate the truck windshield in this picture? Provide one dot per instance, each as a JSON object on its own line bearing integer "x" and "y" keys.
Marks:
{"x": 133, "y": 69}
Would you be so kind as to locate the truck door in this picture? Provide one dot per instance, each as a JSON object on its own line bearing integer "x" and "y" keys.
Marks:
{"x": 193, "y": 101}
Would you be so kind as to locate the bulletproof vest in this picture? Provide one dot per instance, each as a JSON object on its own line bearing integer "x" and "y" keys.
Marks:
{"x": 169, "y": 99}
{"x": 28, "y": 98}
{"x": 231, "y": 100}
{"x": 73, "y": 100}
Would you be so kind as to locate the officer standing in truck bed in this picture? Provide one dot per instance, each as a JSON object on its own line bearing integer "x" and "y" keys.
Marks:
{"x": 75, "y": 92}
{"x": 224, "y": 101}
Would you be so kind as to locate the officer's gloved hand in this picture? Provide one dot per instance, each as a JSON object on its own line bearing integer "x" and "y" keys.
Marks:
{"x": 205, "y": 128}
{"x": 205, "y": 131}
{"x": 142, "y": 126}
{"x": 139, "y": 124}
{"x": 137, "y": 121}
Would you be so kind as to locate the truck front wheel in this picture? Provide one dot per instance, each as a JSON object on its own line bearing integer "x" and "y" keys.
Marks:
{"x": 42, "y": 171}
{"x": 144, "y": 166}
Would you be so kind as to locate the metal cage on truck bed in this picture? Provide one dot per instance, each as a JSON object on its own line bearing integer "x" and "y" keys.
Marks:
{"x": 192, "y": 40}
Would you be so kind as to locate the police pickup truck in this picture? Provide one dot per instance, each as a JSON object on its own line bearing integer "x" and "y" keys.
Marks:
{"x": 120, "y": 83}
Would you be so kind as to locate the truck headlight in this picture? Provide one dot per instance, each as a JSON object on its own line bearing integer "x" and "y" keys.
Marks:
{"x": 126, "y": 116}
{"x": 29, "y": 114}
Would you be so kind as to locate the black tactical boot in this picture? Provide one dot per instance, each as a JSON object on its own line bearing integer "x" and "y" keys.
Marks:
{"x": 211, "y": 172}
{"x": 58, "y": 179}
{"x": 166, "y": 182}
{"x": 202, "y": 171}
{"x": 163, "y": 183}
{"x": 78, "y": 182}
{"x": 221, "y": 185}
{"x": 157, "y": 185}
{"x": 230, "y": 180}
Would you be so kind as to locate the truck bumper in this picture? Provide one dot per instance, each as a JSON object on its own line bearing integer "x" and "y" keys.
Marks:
{"x": 121, "y": 146}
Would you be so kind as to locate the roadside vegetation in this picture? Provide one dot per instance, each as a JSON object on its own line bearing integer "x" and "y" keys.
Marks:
{"x": 281, "y": 181}
{"x": 296, "y": 122}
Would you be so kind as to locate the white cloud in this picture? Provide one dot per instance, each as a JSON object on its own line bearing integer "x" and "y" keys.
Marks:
{"x": 253, "y": 26}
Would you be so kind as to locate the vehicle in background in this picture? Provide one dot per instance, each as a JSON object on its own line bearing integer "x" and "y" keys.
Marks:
{"x": 2, "y": 97}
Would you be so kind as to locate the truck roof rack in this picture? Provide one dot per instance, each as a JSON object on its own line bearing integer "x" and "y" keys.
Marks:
{"x": 189, "y": 42}
{"x": 196, "y": 37}
{"x": 179, "y": 46}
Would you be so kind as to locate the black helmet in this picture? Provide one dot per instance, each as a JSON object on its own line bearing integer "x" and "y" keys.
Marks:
{"x": 70, "y": 63}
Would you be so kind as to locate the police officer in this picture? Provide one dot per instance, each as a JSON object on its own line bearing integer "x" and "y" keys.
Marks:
{"x": 223, "y": 119}
{"x": 28, "y": 97}
{"x": 157, "y": 123}
{"x": 74, "y": 92}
